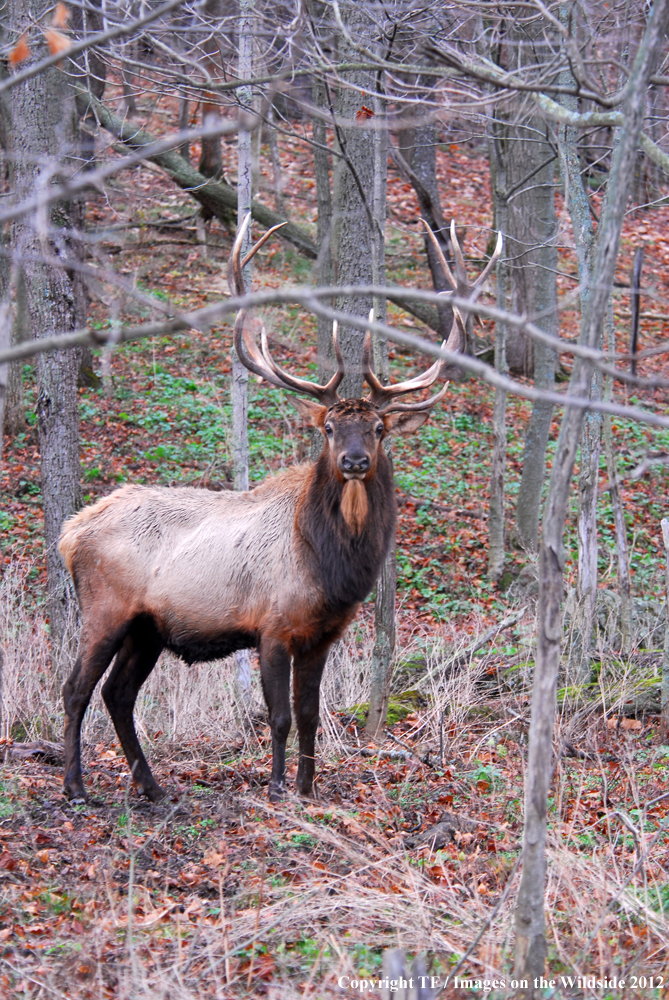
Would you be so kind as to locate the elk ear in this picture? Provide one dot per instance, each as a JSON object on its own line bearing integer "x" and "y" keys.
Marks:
{"x": 405, "y": 423}
{"x": 312, "y": 412}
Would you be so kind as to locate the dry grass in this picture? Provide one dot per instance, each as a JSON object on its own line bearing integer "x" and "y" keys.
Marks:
{"x": 217, "y": 894}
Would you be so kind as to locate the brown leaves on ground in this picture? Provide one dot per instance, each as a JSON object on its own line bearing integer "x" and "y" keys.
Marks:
{"x": 218, "y": 893}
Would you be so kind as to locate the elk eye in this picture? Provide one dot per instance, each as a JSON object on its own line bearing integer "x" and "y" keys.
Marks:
{"x": 379, "y": 430}
{"x": 328, "y": 430}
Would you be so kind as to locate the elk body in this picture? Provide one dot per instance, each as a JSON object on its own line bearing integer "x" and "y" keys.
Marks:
{"x": 282, "y": 568}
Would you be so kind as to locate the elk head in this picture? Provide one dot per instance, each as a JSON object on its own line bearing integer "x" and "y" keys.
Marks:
{"x": 353, "y": 429}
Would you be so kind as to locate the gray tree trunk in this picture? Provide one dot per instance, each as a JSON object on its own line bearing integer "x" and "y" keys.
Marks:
{"x": 536, "y": 293}
{"x": 15, "y": 408}
{"x": 417, "y": 159}
{"x": 46, "y": 126}
{"x": 529, "y": 917}
{"x": 323, "y": 227}
{"x": 620, "y": 528}
{"x": 383, "y": 653}
{"x": 496, "y": 540}
{"x": 664, "y": 692}
{"x": 584, "y": 237}
{"x": 240, "y": 375}
{"x": 5, "y": 342}
{"x": 353, "y": 186}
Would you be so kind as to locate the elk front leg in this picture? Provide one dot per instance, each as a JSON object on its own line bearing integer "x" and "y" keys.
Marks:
{"x": 307, "y": 673}
{"x": 275, "y": 675}
{"x": 134, "y": 662}
{"x": 92, "y": 661}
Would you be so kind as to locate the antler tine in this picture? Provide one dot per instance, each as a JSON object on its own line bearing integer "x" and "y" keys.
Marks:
{"x": 382, "y": 395}
{"x": 326, "y": 394}
{"x": 460, "y": 268}
{"x": 440, "y": 254}
{"x": 452, "y": 344}
{"x": 423, "y": 404}
{"x": 260, "y": 361}
{"x": 261, "y": 242}
{"x": 251, "y": 358}
{"x": 491, "y": 263}
{"x": 368, "y": 375}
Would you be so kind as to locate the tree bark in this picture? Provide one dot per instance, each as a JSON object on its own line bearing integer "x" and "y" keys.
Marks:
{"x": 14, "y": 418}
{"x": 530, "y": 921}
{"x": 383, "y": 653}
{"x": 46, "y": 125}
{"x": 539, "y": 206}
{"x": 211, "y": 158}
{"x": 664, "y": 694}
{"x": 496, "y": 540}
{"x": 352, "y": 220}
{"x": 240, "y": 375}
{"x": 416, "y": 158}
{"x": 620, "y": 528}
{"x": 5, "y": 342}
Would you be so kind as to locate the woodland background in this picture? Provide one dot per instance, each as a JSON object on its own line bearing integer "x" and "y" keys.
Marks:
{"x": 134, "y": 136}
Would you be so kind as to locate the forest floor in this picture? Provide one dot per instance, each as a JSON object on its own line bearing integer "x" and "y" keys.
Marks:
{"x": 413, "y": 843}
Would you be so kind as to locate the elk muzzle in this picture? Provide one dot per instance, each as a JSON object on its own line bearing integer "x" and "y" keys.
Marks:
{"x": 354, "y": 464}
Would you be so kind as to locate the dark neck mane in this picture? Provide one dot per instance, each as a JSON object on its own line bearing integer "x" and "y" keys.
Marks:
{"x": 348, "y": 563}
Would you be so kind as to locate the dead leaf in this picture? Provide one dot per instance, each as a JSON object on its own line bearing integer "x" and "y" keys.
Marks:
{"x": 57, "y": 42}
{"x": 61, "y": 16}
{"x": 19, "y": 52}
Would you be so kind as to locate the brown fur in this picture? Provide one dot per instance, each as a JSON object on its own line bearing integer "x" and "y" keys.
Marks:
{"x": 282, "y": 568}
{"x": 354, "y": 505}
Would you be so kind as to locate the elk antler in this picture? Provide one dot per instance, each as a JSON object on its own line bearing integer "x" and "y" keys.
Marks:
{"x": 460, "y": 283}
{"x": 261, "y": 362}
{"x": 382, "y": 396}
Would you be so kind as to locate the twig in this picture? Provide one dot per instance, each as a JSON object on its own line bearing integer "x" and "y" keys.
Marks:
{"x": 487, "y": 922}
{"x": 469, "y": 650}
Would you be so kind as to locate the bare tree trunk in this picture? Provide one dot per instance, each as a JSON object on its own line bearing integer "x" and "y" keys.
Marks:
{"x": 538, "y": 204}
{"x": 496, "y": 542}
{"x": 624, "y": 583}
{"x": 664, "y": 697}
{"x": 277, "y": 176}
{"x": 45, "y": 125}
{"x": 352, "y": 223}
{"x": 416, "y": 158}
{"x": 184, "y": 148}
{"x": 5, "y": 342}
{"x": 324, "y": 230}
{"x": 383, "y": 654}
{"x": 530, "y": 921}
{"x": 240, "y": 375}
{"x": 14, "y": 419}
{"x": 584, "y": 237}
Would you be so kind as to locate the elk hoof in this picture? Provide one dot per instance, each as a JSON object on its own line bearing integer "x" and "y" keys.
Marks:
{"x": 277, "y": 791}
{"x": 154, "y": 793}
{"x": 76, "y": 794}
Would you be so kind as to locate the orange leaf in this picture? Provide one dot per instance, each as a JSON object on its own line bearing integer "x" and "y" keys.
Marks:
{"x": 61, "y": 16}
{"x": 364, "y": 113}
{"x": 57, "y": 43}
{"x": 19, "y": 52}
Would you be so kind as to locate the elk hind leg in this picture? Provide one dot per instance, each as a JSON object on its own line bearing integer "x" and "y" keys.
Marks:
{"x": 92, "y": 661}
{"x": 134, "y": 662}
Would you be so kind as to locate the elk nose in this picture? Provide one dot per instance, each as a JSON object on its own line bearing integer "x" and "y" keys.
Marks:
{"x": 355, "y": 462}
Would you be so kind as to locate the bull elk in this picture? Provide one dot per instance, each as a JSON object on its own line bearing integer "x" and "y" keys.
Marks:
{"x": 283, "y": 567}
